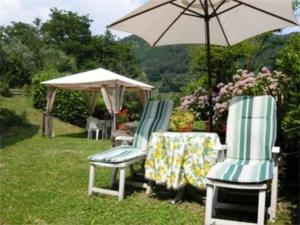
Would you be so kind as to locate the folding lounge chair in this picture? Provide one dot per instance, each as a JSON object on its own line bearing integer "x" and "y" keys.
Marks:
{"x": 155, "y": 117}
{"x": 250, "y": 138}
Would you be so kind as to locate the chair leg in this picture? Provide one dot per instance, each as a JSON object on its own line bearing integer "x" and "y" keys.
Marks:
{"x": 208, "y": 206}
{"x": 97, "y": 134}
{"x": 261, "y": 207}
{"x": 215, "y": 199}
{"x": 149, "y": 187}
{"x": 113, "y": 177}
{"x": 122, "y": 183}
{"x": 274, "y": 193}
{"x": 91, "y": 179}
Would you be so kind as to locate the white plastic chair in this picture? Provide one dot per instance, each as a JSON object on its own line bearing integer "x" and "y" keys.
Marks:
{"x": 93, "y": 124}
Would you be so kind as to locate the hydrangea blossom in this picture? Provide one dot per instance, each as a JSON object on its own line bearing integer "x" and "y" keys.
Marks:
{"x": 243, "y": 83}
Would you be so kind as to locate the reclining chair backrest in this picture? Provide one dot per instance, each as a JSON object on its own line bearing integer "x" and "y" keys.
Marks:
{"x": 251, "y": 127}
{"x": 155, "y": 117}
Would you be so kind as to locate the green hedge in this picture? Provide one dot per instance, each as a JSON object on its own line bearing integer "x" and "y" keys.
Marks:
{"x": 68, "y": 105}
{"x": 9, "y": 118}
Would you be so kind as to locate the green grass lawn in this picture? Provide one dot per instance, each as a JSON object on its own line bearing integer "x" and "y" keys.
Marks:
{"x": 44, "y": 181}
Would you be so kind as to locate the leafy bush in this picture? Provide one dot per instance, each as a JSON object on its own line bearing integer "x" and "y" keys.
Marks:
{"x": 68, "y": 105}
{"x": 9, "y": 118}
{"x": 181, "y": 120}
{"x": 243, "y": 83}
{"x": 133, "y": 104}
{"x": 4, "y": 89}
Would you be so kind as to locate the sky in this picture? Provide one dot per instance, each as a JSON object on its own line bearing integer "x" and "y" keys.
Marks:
{"x": 102, "y": 12}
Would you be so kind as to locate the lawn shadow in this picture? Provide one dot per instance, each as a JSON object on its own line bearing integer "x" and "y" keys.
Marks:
{"x": 10, "y": 136}
{"x": 74, "y": 135}
{"x": 82, "y": 134}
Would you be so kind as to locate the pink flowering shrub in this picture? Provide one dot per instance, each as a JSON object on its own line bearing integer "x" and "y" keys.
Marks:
{"x": 243, "y": 83}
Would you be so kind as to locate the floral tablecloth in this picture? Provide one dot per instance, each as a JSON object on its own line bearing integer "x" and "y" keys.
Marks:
{"x": 179, "y": 158}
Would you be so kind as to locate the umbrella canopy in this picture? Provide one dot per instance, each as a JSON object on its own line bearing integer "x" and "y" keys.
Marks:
{"x": 94, "y": 80}
{"x": 165, "y": 22}
{"x": 217, "y": 22}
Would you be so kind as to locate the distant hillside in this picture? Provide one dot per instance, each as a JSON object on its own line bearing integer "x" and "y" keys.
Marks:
{"x": 166, "y": 67}
{"x": 170, "y": 68}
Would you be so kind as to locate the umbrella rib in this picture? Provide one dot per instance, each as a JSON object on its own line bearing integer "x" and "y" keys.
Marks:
{"x": 215, "y": 10}
{"x": 173, "y": 22}
{"x": 201, "y": 3}
{"x": 226, "y": 10}
{"x": 218, "y": 19}
{"x": 190, "y": 10}
{"x": 266, "y": 12}
{"x": 189, "y": 14}
{"x": 139, "y": 13}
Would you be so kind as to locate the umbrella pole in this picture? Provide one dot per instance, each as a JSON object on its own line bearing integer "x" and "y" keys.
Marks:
{"x": 209, "y": 69}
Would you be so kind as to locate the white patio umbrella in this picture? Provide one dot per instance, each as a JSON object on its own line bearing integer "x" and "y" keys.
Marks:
{"x": 110, "y": 84}
{"x": 216, "y": 22}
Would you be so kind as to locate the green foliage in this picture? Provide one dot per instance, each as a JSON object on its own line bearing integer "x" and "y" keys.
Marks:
{"x": 63, "y": 43}
{"x": 106, "y": 52}
{"x": 288, "y": 60}
{"x": 288, "y": 57}
{"x": 248, "y": 54}
{"x": 9, "y": 118}
{"x": 133, "y": 104}
{"x": 68, "y": 106}
{"x": 18, "y": 66}
{"x": 39, "y": 90}
{"x": 56, "y": 59}
{"x": 167, "y": 65}
{"x": 68, "y": 31}
{"x": 123, "y": 118}
{"x": 4, "y": 89}
{"x": 291, "y": 124}
{"x": 181, "y": 119}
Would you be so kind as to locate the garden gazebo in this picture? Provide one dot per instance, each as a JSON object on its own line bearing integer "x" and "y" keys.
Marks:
{"x": 111, "y": 85}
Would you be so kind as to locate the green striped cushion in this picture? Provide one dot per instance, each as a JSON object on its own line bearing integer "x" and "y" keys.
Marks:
{"x": 118, "y": 154}
{"x": 251, "y": 127}
{"x": 251, "y": 134}
{"x": 155, "y": 117}
{"x": 242, "y": 171}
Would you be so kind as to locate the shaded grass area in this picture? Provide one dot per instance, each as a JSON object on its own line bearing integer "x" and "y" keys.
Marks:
{"x": 44, "y": 181}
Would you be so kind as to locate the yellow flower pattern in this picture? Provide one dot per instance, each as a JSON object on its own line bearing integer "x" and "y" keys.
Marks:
{"x": 176, "y": 159}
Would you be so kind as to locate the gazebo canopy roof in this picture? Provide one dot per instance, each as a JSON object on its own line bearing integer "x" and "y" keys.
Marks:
{"x": 94, "y": 80}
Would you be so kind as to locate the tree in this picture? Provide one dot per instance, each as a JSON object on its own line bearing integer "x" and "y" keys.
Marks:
{"x": 104, "y": 51}
{"x": 68, "y": 31}
{"x": 248, "y": 54}
{"x": 56, "y": 59}
{"x": 17, "y": 66}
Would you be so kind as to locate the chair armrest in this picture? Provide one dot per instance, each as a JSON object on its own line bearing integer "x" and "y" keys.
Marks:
{"x": 276, "y": 149}
{"x": 221, "y": 153}
{"x": 124, "y": 138}
{"x": 223, "y": 148}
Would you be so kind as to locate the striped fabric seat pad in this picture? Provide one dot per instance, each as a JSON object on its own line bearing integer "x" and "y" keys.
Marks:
{"x": 251, "y": 127}
{"x": 242, "y": 171}
{"x": 118, "y": 154}
{"x": 155, "y": 117}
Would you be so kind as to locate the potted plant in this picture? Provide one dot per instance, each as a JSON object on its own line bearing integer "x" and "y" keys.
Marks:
{"x": 122, "y": 119}
{"x": 182, "y": 120}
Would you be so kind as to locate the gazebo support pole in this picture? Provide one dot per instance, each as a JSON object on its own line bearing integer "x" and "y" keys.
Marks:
{"x": 47, "y": 117}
